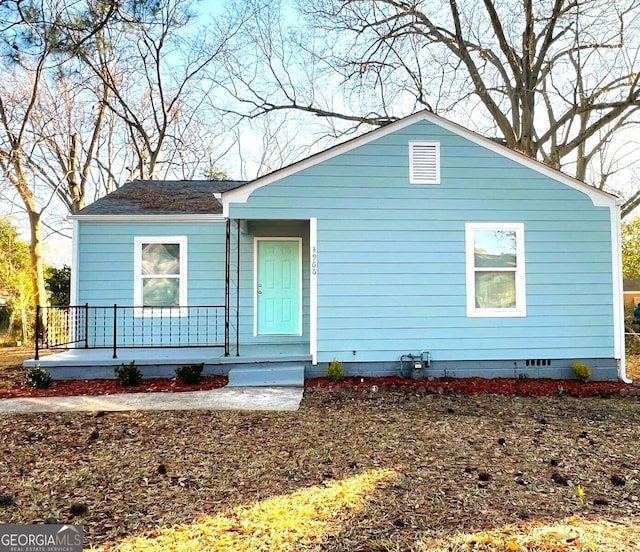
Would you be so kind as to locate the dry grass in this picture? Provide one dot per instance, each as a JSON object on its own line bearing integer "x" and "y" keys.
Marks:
{"x": 353, "y": 470}
{"x": 11, "y": 370}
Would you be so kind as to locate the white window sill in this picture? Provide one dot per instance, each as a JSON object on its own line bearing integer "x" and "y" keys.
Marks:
{"x": 497, "y": 313}
{"x": 166, "y": 313}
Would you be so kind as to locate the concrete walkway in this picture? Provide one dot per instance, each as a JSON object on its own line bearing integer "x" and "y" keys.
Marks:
{"x": 225, "y": 398}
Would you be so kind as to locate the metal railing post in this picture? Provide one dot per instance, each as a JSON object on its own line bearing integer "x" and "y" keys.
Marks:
{"x": 115, "y": 330}
{"x": 86, "y": 325}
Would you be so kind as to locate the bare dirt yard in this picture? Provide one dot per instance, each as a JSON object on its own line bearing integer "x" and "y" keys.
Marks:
{"x": 355, "y": 469}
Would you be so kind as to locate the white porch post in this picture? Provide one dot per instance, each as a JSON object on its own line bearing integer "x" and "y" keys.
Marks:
{"x": 73, "y": 296}
{"x": 313, "y": 290}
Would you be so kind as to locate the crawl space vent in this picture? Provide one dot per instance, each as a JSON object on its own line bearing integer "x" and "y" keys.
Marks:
{"x": 538, "y": 362}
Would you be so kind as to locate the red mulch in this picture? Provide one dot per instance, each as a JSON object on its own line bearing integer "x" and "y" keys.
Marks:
{"x": 65, "y": 388}
{"x": 530, "y": 387}
{"x": 465, "y": 386}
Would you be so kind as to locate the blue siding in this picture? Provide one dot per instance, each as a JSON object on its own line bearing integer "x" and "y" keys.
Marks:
{"x": 391, "y": 257}
{"x": 106, "y": 276}
{"x": 106, "y": 253}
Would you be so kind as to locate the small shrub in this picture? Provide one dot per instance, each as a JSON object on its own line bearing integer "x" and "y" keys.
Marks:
{"x": 190, "y": 373}
{"x": 128, "y": 374}
{"x": 581, "y": 371}
{"x": 38, "y": 378}
{"x": 335, "y": 371}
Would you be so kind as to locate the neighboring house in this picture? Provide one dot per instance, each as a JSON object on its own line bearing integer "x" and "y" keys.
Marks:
{"x": 631, "y": 291}
{"x": 419, "y": 238}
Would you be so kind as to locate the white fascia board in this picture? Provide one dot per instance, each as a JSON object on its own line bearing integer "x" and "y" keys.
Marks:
{"x": 187, "y": 217}
{"x": 599, "y": 198}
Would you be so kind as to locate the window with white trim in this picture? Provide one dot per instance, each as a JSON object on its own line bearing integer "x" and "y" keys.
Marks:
{"x": 424, "y": 162}
{"x": 495, "y": 269}
{"x": 160, "y": 266}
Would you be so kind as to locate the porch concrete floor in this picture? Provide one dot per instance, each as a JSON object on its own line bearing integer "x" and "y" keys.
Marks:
{"x": 186, "y": 355}
{"x": 225, "y": 398}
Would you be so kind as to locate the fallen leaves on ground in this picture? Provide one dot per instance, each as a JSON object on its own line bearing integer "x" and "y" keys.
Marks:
{"x": 470, "y": 472}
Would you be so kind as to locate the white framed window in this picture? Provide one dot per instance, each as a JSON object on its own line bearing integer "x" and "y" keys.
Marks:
{"x": 424, "y": 162}
{"x": 160, "y": 269}
{"x": 495, "y": 261}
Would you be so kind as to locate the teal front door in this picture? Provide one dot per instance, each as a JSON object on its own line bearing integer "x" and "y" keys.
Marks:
{"x": 278, "y": 287}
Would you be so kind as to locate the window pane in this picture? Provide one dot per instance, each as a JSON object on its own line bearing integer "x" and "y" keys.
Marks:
{"x": 161, "y": 258}
{"x": 494, "y": 248}
{"x": 495, "y": 290}
{"x": 160, "y": 292}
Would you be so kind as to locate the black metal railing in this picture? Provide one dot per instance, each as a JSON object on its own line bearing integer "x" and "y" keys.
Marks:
{"x": 126, "y": 327}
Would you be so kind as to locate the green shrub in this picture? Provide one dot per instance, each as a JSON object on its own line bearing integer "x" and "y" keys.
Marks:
{"x": 128, "y": 374}
{"x": 38, "y": 378}
{"x": 335, "y": 371}
{"x": 190, "y": 373}
{"x": 581, "y": 371}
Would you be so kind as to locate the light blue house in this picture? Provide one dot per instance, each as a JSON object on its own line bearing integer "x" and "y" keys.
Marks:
{"x": 419, "y": 247}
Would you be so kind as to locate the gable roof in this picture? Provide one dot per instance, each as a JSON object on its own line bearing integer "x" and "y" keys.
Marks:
{"x": 162, "y": 197}
{"x": 242, "y": 193}
{"x": 212, "y": 198}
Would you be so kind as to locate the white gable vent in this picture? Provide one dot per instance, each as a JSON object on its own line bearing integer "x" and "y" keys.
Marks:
{"x": 424, "y": 162}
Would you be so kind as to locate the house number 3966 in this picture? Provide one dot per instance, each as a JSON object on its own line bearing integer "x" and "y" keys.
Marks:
{"x": 314, "y": 260}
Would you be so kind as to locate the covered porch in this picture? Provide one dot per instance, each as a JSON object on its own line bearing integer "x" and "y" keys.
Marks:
{"x": 255, "y": 365}
{"x": 232, "y": 327}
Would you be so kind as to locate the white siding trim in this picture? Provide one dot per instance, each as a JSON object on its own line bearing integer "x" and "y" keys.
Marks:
{"x": 313, "y": 290}
{"x": 521, "y": 295}
{"x": 75, "y": 255}
{"x": 255, "y": 280}
{"x": 75, "y": 277}
{"x": 618, "y": 296}
{"x": 424, "y": 162}
{"x": 138, "y": 242}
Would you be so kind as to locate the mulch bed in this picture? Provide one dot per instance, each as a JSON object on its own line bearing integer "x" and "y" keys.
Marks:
{"x": 529, "y": 387}
{"x": 65, "y": 388}
{"x": 542, "y": 387}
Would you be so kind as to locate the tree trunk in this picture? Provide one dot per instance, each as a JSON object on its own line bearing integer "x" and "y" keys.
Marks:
{"x": 25, "y": 324}
{"x": 37, "y": 265}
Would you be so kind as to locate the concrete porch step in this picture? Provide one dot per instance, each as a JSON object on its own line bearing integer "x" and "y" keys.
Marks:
{"x": 278, "y": 374}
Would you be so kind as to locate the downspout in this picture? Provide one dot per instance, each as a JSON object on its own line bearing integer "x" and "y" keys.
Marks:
{"x": 618, "y": 298}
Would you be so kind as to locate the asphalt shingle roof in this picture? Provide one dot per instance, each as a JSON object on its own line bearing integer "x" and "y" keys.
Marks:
{"x": 162, "y": 197}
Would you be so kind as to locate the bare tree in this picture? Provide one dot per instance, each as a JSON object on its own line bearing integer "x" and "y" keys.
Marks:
{"x": 95, "y": 93}
{"x": 555, "y": 80}
{"x": 68, "y": 129}
{"x": 32, "y": 53}
{"x": 151, "y": 62}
